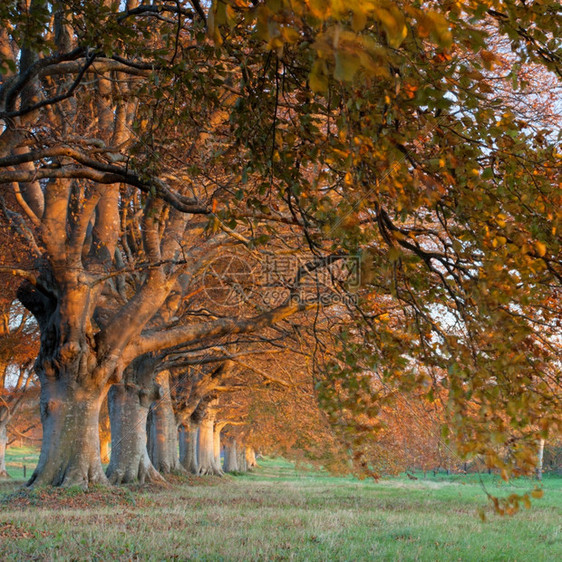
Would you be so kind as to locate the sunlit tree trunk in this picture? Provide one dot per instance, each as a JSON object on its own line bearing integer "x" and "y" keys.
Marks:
{"x": 540, "y": 459}
{"x": 250, "y": 458}
{"x": 217, "y": 441}
{"x": 207, "y": 461}
{"x": 188, "y": 447}
{"x": 105, "y": 441}
{"x": 162, "y": 430}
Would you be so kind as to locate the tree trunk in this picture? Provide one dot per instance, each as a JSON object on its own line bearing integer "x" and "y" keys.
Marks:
{"x": 231, "y": 456}
{"x": 70, "y": 451}
{"x": 207, "y": 462}
{"x": 241, "y": 458}
{"x": 217, "y": 444}
{"x": 162, "y": 431}
{"x": 188, "y": 448}
{"x": 105, "y": 440}
{"x": 251, "y": 458}
{"x": 3, "y": 443}
{"x": 128, "y": 411}
{"x": 540, "y": 459}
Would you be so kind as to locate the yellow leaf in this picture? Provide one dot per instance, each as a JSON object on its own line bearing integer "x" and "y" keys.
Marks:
{"x": 318, "y": 79}
{"x": 540, "y": 248}
{"x": 347, "y": 65}
{"x": 440, "y": 29}
{"x": 394, "y": 254}
{"x": 358, "y": 20}
{"x": 393, "y": 23}
{"x": 319, "y": 8}
{"x": 537, "y": 493}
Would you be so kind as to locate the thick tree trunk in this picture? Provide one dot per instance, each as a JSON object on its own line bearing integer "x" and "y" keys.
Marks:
{"x": 231, "y": 456}
{"x": 70, "y": 451}
{"x": 207, "y": 462}
{"x": 251, "y": 458}
{"x": 3, "y": 444}
{"x": 188, "y": 448}
{"x": 128, "y": 411}
{"x": 162, "y": 431}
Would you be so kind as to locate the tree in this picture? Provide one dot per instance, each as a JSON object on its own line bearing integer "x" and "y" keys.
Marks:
{"x": 18, "y": 344}
{"x": 366, "y": 130}
{"x": 453, "y": 175}
{"x": 163, "y": 430}
{"x": 128, "y": 405}
{"x": 74, "y": 193}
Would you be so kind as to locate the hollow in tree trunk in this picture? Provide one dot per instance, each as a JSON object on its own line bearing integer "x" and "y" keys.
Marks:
{"x": 188, "y": 447}
{"x": 128, "y": 411}
{"x": 162, "y": 431}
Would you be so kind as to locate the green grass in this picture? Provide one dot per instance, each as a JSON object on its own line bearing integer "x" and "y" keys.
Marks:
{"x": 17, "y": 458}
{"x": 280, "y": 513}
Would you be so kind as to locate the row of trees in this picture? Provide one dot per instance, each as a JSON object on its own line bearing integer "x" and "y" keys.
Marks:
{"x": 194, "y": 183}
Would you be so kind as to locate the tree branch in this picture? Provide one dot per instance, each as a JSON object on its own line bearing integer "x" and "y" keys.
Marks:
{"x": 183, "y": 335}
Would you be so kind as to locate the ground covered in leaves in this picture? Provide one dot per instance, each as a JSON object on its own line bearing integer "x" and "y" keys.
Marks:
{"x": 279, "y": 513}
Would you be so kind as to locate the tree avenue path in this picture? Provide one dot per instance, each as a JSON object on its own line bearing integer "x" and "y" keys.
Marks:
{"x": 278, "y": 512}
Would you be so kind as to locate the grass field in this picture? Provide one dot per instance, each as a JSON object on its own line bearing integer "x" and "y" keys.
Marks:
{"x": 279, "y": 513}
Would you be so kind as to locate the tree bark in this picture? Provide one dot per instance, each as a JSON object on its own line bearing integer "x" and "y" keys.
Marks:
{"x": 217, "y": 443}
{"x": 3, "y": 443}
{"x": 105, "y": 440}
{"x": 70, "y": 451}
{"x": 250, "y": 458}
{"x": 207, "y": 462}
{"x": 188, "y": 447}
{"x": 128, "y": 411}
{"x": 231, "y": 456}
{"x": 162, "y": 430}
{"x": 540, "y": 459}
{"x": 241, "y": 458}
